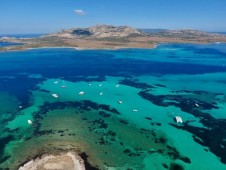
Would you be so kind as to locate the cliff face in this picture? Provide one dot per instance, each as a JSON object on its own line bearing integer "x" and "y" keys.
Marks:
{"x": 98, "y": 32}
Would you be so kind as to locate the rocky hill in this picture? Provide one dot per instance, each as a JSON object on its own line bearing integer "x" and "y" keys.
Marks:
{"x": 122, "y": 32}
{"x": 98, "y": 32}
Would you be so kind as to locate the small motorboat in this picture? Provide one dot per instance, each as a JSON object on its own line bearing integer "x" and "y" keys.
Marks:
{"x": 178, "y": 119}
{"x": 120, "y": 101}
{"x": 55, "y": 95}
{"x": 197, "y": 104}
{"x": 81, "y": 93}
{"x": 29, "y": 122}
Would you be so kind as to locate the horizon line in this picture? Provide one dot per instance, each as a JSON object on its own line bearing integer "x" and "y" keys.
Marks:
{"x": 60, "y": 29}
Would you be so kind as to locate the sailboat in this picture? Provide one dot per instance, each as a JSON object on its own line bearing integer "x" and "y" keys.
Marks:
{"x": 63, "y": 85}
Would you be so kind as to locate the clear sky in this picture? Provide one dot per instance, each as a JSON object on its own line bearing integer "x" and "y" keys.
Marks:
{"x": 43, "y": 16}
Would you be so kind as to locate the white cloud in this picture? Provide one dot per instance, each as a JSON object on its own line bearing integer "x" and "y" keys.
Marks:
{"x": 80, "y": 12}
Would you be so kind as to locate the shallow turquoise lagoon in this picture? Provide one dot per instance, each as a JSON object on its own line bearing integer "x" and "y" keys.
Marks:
{"x": 116, "y": 106}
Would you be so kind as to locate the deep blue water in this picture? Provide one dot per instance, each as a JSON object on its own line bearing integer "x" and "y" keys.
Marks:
{"x": 70, "y": 63}
{"x": 221, "y": 32}
{"x": 5, "y": 44}
{"x": 21, "y": 35}
{"x": 76, "y": 65}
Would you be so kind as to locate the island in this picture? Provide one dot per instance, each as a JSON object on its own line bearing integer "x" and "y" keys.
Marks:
{"x": 112, "y": 37}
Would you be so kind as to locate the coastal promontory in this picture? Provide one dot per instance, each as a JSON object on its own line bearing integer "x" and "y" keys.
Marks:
{"x": 112, "y": 37}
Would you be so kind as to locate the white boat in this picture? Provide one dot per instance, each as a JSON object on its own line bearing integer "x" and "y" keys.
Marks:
{"x": 117, "y": 85}
{"x": 55, "y": 95}
{"x": 120, "y": 101}
{"x": 178, "y": 119}
{"x": 90, "y": 84}
{"x": 55, "y": 82}
{"x": 101, "y": 93}
{"x": 63, "y": 85}
{"x": 29, "y": 122}
{"x": 135, "y": 110}
{"x": 20, "y": 107}
{"x": 100, "y": 85}
{"x": 81, "y": 93}
{"x": 197, "y": 104}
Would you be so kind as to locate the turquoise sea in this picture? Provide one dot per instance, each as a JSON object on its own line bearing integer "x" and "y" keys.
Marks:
{"x": 116, "y": 108}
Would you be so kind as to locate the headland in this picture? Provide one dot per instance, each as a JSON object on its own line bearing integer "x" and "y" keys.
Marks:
{"x": 111, "y": 37}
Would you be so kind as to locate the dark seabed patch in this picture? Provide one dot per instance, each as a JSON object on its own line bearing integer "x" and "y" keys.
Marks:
{"x": 3, "y": 142}
{"x": 85, "y": 105}
{"x": 135, "y": 83}
{"x": 84, "y": 156}
{"x": 175, "y": 166}
{"x": 212, "y": 135}
{"x": 107, "y": 136}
